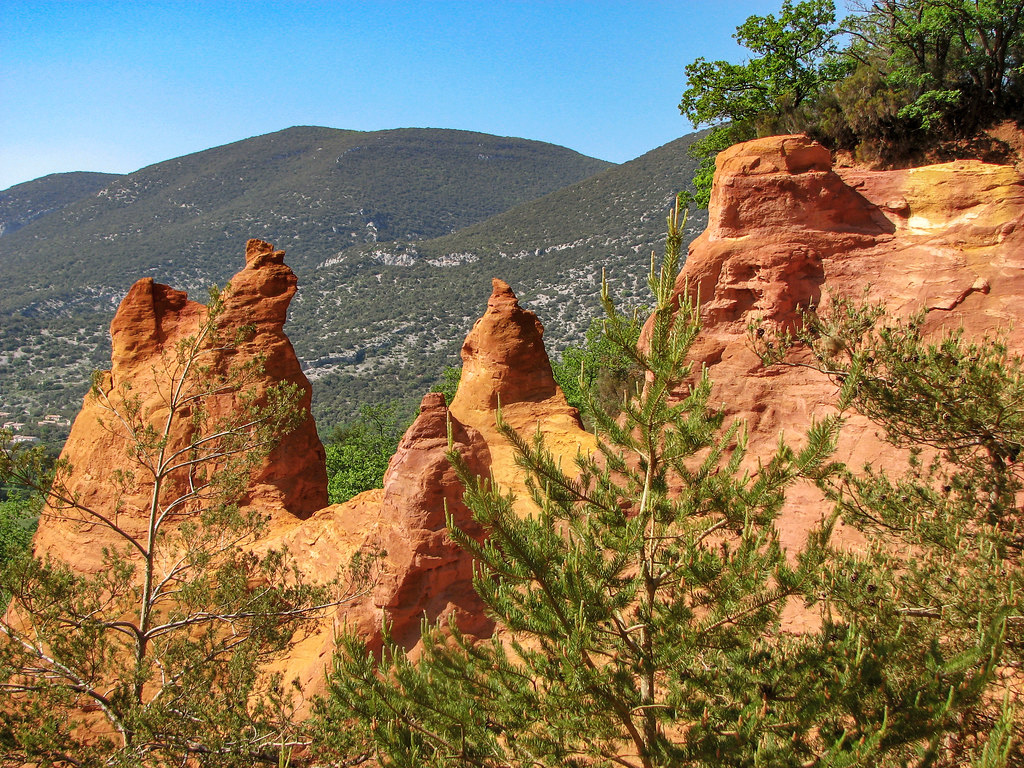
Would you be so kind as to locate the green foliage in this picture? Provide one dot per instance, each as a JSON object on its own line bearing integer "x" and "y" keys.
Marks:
{"x": 449, "y": 383}
{"x": 955, "y": 61}
{"x": 18, "y": 518}
{"x": 642, "y": 604}
{"x": 955, "y": 404}
{"x": 358, "y": 453}
{"x": 163, "y": 648}
{"x": 596, "y": 371}
{"x": 996, "y": 751}
{"x": 19, "y": 510}
{"x": 794, "y": 57}
{"x": 889, "y": 80}
{"x": 704, "y": 151}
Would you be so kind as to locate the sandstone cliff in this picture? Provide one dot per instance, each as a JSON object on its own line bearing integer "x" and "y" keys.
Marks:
{"x": 786, "y": 230}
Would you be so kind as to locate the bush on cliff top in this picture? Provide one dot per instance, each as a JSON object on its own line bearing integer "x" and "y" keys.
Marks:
{"x": 885, "y": 82}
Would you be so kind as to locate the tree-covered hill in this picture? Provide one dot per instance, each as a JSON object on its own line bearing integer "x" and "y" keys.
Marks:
{"x": 395, "y": 236}
{"x": 373, "y": 323}
{"x": 313, "y": 191}
{"x": 25, "y": 203}
{"x": 320, "y": 189}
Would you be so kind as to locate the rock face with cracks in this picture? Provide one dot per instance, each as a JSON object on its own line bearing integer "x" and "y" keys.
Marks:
{"x": 425, "y": 575}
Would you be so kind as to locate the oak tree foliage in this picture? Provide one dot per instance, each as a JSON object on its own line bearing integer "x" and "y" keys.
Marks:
{"x": 888, "y": 82}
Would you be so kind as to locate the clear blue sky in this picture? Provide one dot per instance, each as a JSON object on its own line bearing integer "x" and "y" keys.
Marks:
{"x": 115, "y": 86}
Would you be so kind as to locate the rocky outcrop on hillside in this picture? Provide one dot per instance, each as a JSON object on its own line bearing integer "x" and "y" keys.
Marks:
{"x": 787, "y": 230}
{"x": 107, "y": 473}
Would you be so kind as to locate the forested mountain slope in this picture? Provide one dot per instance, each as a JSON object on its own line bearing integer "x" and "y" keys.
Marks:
{"x": 393, "y": 236}
{"x": 380, "y": 322}
{"x": 25, "y": 203}
{"x": 319, "y": 187}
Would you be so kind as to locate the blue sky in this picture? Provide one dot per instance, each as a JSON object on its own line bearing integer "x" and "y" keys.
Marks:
{"x": 115, "y": 86}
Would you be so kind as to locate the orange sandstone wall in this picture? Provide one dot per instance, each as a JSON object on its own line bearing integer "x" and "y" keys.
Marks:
{"x": 786, "y": 229}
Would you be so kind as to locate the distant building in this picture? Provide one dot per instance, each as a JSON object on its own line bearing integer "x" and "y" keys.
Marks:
{"x": 24, "y": 439}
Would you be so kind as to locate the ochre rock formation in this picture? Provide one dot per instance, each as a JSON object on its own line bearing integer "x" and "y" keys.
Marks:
{"x": 424, "y": 574}
{"x": 783, "y": 183}
{"x": 150, "y": 322}
{"x": 503, "y": 357}
{"x": 418, "y": 571}
{"x": 786, "y": 231}
{"x": 504, "y": 361}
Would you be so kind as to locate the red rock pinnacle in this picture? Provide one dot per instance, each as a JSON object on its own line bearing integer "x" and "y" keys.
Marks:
{"x": 504, "y": 356}
{"x": 151, "y": 320}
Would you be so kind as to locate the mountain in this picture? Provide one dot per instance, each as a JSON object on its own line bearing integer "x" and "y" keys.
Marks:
{"x": 378, "y": 320}
{"x": 24, "y": 203}
{"x": 395, "y": 236}
{"x": 319, "y": 188}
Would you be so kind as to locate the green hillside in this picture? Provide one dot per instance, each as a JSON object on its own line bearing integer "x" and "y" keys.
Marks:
{"x": 28, "y": 202}
{"x": 395, "y": 236}
{"x": 379, "y": 322}
{"x": 317, "y": 188}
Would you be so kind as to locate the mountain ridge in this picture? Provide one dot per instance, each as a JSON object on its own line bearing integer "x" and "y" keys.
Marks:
{"x": 387, "y": 273}
{"x": 280, "y": 185}
{"x": 24, "y": 203}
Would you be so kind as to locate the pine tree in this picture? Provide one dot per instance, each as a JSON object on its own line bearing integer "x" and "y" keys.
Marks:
{"x": 157, "y": 659}
{"x": 639, "y": 605}
{"x": 942, "y": 572}
{"x": 596, "y": 369}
